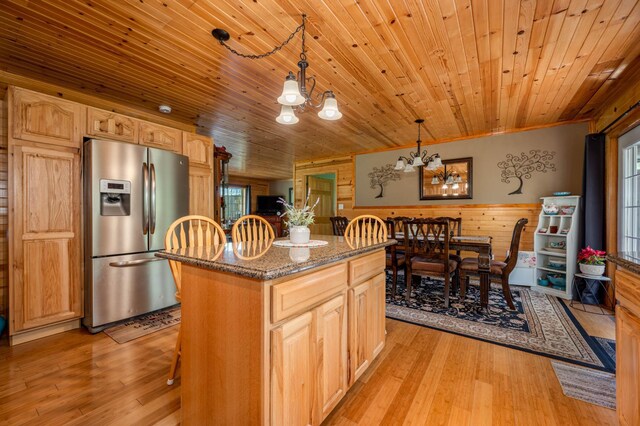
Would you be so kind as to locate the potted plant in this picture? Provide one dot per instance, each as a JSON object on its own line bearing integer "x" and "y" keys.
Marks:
{"x": 299, "y": 220}
{"x": 591, "y": 261}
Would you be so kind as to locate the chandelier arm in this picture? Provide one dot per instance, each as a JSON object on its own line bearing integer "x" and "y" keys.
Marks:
{"x": 301, "y": 27}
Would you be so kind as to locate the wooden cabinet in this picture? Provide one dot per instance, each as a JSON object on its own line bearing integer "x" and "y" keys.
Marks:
{"x": 200, "y": 191}
{"x": 359, "y": 323}
{"x": 293, "y": 342}
{"x": 41, "y": 118}
{"x": 628, "y": 348}
{"x": 378, "y": 315}
{"x": 331, "y": 332}
{"x": 198, "y": 148}
{"x": 366, "y": 324}
{"x": 293, "y": 371}
{"x": 107, "y": 124}
{"x": 46, "y": 245}
{"x": 163, "y": 137}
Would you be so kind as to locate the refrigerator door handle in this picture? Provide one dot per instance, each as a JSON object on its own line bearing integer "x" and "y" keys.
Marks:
{"x": 124, "y": 264}
{"x": 152, "y": 215}
{"x": 145, "y": 199}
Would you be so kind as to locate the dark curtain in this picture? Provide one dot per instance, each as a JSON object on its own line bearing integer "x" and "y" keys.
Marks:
{"x": 593, "y": 214}
{"x": 247, "y": 206}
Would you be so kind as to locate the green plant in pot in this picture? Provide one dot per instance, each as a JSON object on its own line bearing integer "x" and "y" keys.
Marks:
{"x": 299, "y": 219}
{"x": 591, "y": 261}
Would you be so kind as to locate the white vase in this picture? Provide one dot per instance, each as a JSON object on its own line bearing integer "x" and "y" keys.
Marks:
{"x": 591, "y": 269}
{"x": 299, "y": 234}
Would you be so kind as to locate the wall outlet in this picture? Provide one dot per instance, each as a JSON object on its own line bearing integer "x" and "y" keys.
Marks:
{"x": 340, "y": 206}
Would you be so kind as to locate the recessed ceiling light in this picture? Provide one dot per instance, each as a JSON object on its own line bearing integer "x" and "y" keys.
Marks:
{"x": 165, "y": 109}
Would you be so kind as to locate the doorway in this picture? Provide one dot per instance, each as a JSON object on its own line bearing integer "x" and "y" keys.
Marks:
{"x": 322, "y": 187}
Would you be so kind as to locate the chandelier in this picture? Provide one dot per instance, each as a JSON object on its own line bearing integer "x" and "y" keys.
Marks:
{"x": 418, "y": 158}
{"x": 295, "y": 94}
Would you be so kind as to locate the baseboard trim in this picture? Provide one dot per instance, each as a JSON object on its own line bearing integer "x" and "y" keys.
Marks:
{"x": 28, "y": 336}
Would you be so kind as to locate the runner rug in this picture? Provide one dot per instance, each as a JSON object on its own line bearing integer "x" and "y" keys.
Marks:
{"x": 586, "y": 384}
{"x": 145, "y": 324}
{"x": 541, "y": 324}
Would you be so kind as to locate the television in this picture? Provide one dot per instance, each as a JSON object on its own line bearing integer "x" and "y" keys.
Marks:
{"x": 268, "y": 204}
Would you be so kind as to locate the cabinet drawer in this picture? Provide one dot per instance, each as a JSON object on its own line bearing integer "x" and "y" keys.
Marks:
{"x": 299, "y": 294}
{"x": 365, "y": 267}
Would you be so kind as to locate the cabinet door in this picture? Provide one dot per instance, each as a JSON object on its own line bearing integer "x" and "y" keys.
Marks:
{"x": 200, "y": 191}
{"x": 378, "y": 305}
{"x": 110, "y": 125}
{"x": 163, "y": 137}
{"x": 40, "y": 118}
{"x": 332, "y": 352}
{"x": 627, "y": 366}
{"x": 292, "y": 372}
{"x": 46, "y": 285}
{"x": 198, "y": 149}
{"x": 359, "y": 335}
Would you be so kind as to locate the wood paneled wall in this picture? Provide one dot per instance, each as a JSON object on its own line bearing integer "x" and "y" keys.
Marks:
{"x": 258, "y": 187}
{"x": 4, "y": 209}
{"x": 343, "y": 167}
{"x": 496, "y": 220}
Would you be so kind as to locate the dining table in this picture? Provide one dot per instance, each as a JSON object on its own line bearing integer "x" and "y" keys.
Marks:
{"x": 480, "y": 244}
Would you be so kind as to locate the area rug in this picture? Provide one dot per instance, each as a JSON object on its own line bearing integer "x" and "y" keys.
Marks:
{"x": 143, "y": 325}
{"x": 609, "y": 346}
{"x": 541, "y": 324}
{"x": 586, "y": 384}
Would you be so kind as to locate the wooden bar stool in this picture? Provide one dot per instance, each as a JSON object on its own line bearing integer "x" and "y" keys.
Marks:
{"x": 189, "y": 232}
{"x": 251, "y": 228}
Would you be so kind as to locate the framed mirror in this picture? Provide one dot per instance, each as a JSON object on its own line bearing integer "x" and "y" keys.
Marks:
{"x": 452, "y": 180}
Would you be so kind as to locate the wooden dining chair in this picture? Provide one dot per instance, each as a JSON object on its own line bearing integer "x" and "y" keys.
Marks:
{"x": 365, "y": 230}
{"x": 251, "y": 228}
{"x": 339, "y": 224}
{"x": 427, "y": 251}
{"x": 499, "y": 271}
{"x": 189, "y": 232}
{"x": 455, "y": 230}
{"x": 395, "y": 259}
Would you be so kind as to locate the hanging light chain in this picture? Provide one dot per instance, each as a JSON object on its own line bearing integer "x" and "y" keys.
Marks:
{"x": 275, "y": 49}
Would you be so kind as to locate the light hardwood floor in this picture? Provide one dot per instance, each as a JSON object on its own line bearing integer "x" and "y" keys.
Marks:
{"x": 423, "y": 376}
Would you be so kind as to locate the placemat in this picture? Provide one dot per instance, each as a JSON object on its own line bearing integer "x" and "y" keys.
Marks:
{"x": 311, "y": 243}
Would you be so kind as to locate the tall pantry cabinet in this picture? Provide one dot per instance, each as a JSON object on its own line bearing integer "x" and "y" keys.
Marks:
{"x": 45, "y": 242}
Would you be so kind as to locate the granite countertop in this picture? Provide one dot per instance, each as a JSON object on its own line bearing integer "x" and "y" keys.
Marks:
{"x": 266, "y": 261}
{"x": 628, "y": 260}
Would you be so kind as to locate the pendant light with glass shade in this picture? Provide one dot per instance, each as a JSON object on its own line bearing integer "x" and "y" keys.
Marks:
{"x": 295, "y": 94}
{"x": 418, "y": 158}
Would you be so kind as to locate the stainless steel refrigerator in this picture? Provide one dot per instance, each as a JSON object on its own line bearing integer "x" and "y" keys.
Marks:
{"x": 131, "y": 196}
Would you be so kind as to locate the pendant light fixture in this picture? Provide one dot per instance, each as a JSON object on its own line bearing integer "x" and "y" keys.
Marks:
{"x": 295, "y": 94}
{"x": 418, "y": 158}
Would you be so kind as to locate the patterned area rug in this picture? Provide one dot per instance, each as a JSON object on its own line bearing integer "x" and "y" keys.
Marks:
{"x": 145, "y": 324}
{"x": 541, "y": 324}
{"x": 586, "y": 384}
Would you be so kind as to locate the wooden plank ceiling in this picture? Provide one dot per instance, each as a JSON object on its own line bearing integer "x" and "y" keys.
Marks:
{"x": 467, "y": 67}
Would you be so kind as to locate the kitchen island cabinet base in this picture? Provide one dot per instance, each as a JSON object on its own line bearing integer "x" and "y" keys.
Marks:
{"x": 249, "y": 360}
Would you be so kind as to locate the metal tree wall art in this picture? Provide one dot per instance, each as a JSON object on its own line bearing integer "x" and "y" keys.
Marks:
{"x": 521, "y": 167}
{"x": 381, "y": 176}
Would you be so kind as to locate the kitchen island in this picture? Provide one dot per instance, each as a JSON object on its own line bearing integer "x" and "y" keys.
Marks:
{"x": 274, "y": 335}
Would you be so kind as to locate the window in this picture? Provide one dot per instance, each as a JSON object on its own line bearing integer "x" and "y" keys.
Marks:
{"x": 629, "y": 190}
{"x": 237, "y": 202}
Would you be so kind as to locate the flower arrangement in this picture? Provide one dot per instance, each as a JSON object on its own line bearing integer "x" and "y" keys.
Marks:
{"x": 299, "y": 217}
{"x": 589, "y": 256}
